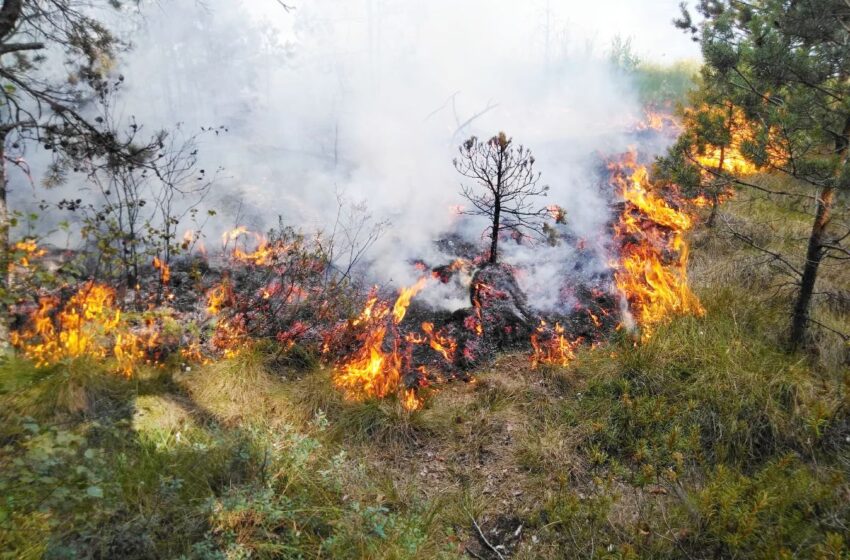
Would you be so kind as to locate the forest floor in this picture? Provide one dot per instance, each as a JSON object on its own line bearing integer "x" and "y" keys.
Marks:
{"x": 706, "y": 439}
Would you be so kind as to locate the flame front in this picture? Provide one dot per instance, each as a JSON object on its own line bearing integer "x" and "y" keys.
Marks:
{"x": 89, "y": 324}
{"x": 654, "y": 283}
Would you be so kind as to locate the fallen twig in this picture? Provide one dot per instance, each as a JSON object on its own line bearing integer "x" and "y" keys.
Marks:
{"x": 484, "y": 539}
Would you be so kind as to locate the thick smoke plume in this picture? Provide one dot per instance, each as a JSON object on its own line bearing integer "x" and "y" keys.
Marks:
{"x": 369, "y": 100}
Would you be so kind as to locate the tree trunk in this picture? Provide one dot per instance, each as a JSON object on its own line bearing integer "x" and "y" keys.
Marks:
{"x": 494, "y": 236}
{"x": 713, "y": 216}
{"x": 9, "y": 14}
{"x": 5, "y": 261}
{"x": 715, "y": 196}
{"x": 815, "y": 252}
{"x": 814, "y": 255}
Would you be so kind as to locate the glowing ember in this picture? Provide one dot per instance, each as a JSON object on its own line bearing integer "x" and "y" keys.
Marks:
{"x": 551, "y": 345}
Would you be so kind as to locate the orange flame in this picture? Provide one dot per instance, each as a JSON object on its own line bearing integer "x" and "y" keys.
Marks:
{"x": 218, "y": 297}
{"x": 89, "y": 324}
{"x": 163, "y": 268}
{"x": 444, "y": 345}
{"x": 24, "y": 251}
{"x": 404, "y": 297}
{"x": 556, "y": 349}
{"x": 650, "y": 230}
{"x": 233, "y": 234}
{"x": 373, "y": 372}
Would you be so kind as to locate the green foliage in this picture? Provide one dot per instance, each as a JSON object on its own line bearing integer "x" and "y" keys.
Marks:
{"x": 665, "y": 86}
{"x": 156, "y": 476}
{"x": 783, "y": 510}
{"x": 705, "y": 391}
{"x": 774, "y": 90}
{"x": 658, "y": 85}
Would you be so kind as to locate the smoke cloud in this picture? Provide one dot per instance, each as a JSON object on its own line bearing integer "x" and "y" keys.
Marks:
{"x": 371, "y": 98}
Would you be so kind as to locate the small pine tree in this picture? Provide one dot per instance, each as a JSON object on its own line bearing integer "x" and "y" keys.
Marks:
{"x": 506, "y": 186}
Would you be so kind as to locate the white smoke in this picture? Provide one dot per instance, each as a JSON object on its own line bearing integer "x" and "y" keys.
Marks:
{"x": 371, "y": 98}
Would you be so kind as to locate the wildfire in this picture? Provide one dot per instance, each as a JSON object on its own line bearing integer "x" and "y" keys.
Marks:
{"x": 650, "y": 230}
{"x": 372, "y": 371}
{"x": 26, "y": 250}
{"x": 233, "y": 235}
{"x": 444, "y": 345}
{"x": 89, "y": 324}
{"x": 265, "y": 254}
{"x": 191, "y": 239}
{"x": 218, "y": 297}
{"x": 557, "y": 213}
{"x": 658, "y": 122}
{"x": 230, "y": 335}
{"x": 730, "y": 158}
{"x": 164, "y": 270}
{"x": 403, "y": 301}
{"x": 410, "y": 401}
{"x": 727, "y": 159}
{"x": 551, "y": 346}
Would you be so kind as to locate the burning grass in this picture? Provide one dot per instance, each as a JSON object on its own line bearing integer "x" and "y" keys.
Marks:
{"x": 282, "y": 287}
{"x": 652, "y": 272}
{"x": 372, "y": 372}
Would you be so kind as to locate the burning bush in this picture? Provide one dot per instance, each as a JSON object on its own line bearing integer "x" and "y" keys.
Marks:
{"x": 282, "y": 287}
{"x": 377, "y": 367}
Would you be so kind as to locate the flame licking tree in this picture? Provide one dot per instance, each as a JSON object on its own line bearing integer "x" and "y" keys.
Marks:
{"x": 785, "y": 66}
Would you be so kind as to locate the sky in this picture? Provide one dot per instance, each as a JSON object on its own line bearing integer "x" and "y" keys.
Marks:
{"x": 646, "y": 22}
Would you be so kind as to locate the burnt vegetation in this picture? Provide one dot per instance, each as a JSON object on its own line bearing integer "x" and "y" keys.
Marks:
{"x": 174, "y": 386}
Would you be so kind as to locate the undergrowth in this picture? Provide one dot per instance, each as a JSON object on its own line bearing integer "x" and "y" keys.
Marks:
{"x": 708, "y": 440}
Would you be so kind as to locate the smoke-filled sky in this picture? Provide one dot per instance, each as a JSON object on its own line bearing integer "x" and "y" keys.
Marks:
{"x": 370, "y": 98}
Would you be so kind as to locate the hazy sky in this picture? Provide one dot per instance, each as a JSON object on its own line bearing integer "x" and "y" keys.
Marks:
{"x": 648, "y": 23}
